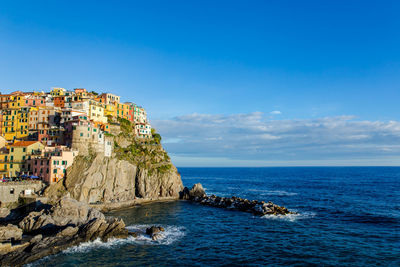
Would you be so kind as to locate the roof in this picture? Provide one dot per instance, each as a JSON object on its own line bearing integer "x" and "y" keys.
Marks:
{"x": 24, "y": 143}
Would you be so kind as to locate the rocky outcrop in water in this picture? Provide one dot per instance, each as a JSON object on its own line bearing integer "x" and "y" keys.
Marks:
{"x": 51, "y": 230}
{"x": 134, "y": 171}
{"x": 197, "y": 194}
{"x": 154, "y": 232}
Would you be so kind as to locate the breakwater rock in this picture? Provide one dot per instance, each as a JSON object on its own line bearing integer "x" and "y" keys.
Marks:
{"x": 54, "y": 228}
{"x": 197, "y": 194}
{"x": 154, "y": 232}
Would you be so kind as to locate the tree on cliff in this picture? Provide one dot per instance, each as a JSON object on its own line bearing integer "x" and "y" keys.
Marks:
{"x": 156, "y": 136}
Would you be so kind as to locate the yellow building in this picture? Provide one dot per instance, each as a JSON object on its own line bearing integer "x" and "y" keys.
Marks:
{"x": 16, "y": 101}
{"x": 18, "y": 155}
{"x": 4, "y": 164}
{"x": 58, "y": 92}
{"x": 109, "y": 110}
{"x": 3, "y": 142}
{"x": 15, "y": 123}
{"x": 96, "y": 112}
{"x": 122, "y": 111}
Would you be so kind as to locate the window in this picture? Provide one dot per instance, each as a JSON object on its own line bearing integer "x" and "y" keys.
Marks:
{"x": 12, "y": 149}
{"x": 55, "y": 162}
{"x": 55, "y": 171}
{"x": 24, "y": 149}
{"x": 11, "y": 166}
{"x": 81, "y": 134}
{"x": 12, "y": 191}
{"x": 12, "y": 158}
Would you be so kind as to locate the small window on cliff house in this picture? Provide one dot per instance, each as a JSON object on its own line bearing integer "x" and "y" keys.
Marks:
{"x": 12, "y": 191}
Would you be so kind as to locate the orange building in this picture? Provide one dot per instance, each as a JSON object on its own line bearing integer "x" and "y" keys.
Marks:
{"x": 59, "y": 101}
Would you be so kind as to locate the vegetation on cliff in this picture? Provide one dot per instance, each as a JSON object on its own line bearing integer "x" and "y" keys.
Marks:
{"x": 138, "y": 168}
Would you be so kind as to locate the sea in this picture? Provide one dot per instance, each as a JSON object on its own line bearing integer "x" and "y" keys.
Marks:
{"x": 347, "y": 216}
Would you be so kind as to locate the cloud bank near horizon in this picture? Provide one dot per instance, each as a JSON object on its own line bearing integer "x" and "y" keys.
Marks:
{"x": 256, "y": 137}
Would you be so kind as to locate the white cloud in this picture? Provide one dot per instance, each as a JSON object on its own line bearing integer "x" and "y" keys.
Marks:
{"x": 255, "y": 137}
{"x": 275, "y": 112}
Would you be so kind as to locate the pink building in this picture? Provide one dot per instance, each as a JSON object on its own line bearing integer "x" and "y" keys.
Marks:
{"x": 35, "y": 101}
{"x": 45, "y": 121}
{"x": 52, "y": 165}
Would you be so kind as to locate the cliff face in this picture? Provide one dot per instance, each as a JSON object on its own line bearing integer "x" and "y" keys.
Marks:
{"x": 134, "y": 171}
{"x": 109, "y": 180}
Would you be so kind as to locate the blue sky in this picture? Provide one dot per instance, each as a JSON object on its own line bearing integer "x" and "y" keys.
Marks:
{"x": 329, "y": 69}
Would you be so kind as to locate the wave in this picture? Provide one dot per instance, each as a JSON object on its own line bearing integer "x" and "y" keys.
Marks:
{"x": 291, "y": 217}
{"x": 169, "y": 236}
{"x": 273, "y": 192}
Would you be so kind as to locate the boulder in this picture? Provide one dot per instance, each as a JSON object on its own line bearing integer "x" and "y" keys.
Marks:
{"x": 36, "y": 220}
{"x": 151, "y": 231}
{"x": 10, "y": 233}
{"x": 197, "y": 191}
{"x": 69, "y": 231}
{"x": 65, "y": 212}
{"x": 70, "y": 211}
{"x": 184, "y": 194}
{"x": 4, "y": 212}
{"x": 36, "y": 239}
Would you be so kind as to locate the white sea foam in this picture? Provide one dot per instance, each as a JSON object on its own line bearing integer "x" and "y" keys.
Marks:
{"x": 291, "y": 217}
{"x": 273, "y": 192}
{"x": 169, "y": 236}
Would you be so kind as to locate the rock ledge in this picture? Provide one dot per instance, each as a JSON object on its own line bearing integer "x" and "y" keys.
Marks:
{"x": 197, "y": 194}
{"x": 52, "y": 229}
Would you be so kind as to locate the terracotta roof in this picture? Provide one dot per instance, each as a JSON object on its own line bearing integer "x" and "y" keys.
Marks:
{"x": 24, "y": 143}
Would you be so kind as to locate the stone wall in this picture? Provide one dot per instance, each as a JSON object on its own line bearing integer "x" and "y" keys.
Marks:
{"x": 10, "y": 191}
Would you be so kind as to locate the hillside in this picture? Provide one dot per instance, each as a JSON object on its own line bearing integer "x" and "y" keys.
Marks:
{"x": 137, "y": 170}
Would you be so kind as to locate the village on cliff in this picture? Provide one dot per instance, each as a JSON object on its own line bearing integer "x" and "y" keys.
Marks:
{"x": 41, "y": 133}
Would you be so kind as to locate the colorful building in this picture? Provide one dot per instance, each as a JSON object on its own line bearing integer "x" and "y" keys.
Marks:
{"x": 143, "y": 130}
{"x": 59, "y": 101}
{"x": 96, "y": 112}
{"x": 19, "y": 154}
{"x": 14, "y": 123}
{"x": 52, "y": 165}
{"x": 58, "y": 92}
{"x": 107, "y": 98}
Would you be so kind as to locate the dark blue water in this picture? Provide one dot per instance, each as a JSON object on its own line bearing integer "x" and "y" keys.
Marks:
{"x": 347, "y": 216}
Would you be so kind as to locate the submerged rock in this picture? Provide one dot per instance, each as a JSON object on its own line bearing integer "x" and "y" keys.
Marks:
{"x": 154, "y": 232}
{"x": 197, "y": 194}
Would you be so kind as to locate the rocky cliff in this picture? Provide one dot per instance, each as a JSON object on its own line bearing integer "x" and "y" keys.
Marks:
{"x": 136, "y": 170}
